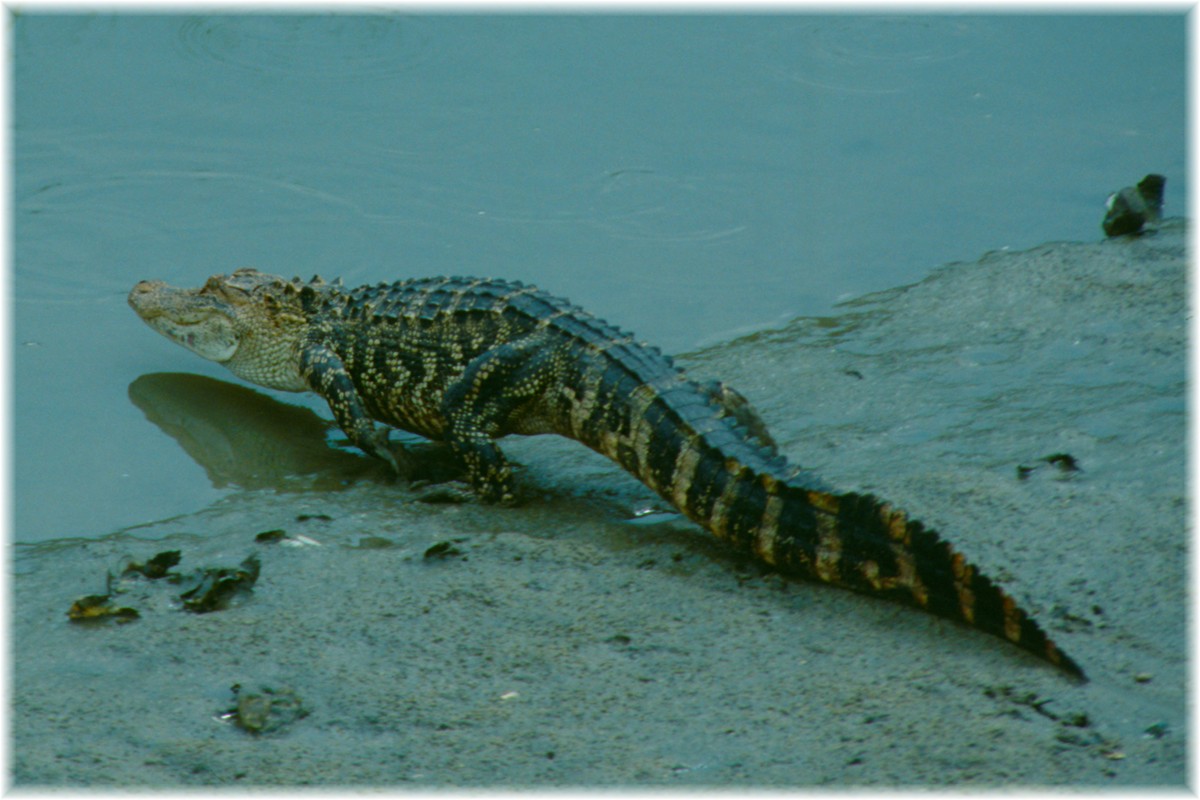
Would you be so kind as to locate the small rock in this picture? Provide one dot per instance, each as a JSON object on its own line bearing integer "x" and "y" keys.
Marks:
{"x": 155, "y": 568}
{"x": 442, "y": 550}
{"x": 97, "y": 607}
{"x": 1065, "y": 464}
{"x": 217, "y": 586}
{"x": 375, "y": 543}
{"x": 1130, "y": 209}
{"x": 1157, "y": 730}
{"x": 266, "y": 709}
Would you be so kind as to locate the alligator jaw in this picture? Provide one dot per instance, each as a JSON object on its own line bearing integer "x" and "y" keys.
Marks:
{"x": 184, "y": 317}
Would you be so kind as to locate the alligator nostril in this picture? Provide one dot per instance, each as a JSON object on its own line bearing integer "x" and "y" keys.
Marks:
{"x": 139, "y": 289}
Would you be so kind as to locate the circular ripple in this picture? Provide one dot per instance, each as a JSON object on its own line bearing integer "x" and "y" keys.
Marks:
{"x": 864, "y": 54}
{"x": 631, "y": 203}
{"x": 76, "y": 231}
{"x": 324, "y": 46}
{"x": 640, "y": 203}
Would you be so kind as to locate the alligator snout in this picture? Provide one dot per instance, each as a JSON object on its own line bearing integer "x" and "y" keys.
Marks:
{"x": 144, "y": 289}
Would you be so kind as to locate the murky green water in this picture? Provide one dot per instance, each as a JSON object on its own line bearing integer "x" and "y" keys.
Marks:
{"x": 687, "y": 177}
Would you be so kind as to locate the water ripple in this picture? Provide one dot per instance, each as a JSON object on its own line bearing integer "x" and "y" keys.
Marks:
{"x": 640, "y": 203}
{"x": 637, "y": 202}
{"x": 331, "y": 46}
{"x": 867, "y": 54}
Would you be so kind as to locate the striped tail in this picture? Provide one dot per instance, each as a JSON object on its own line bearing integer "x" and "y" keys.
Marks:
{"x": 859, "y": 543}
{"x": 705, "y": 450}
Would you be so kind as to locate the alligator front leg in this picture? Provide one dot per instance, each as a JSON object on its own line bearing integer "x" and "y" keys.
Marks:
{"x": 326, "y": 375}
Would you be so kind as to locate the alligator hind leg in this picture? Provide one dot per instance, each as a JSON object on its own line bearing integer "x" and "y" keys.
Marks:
{"x": 496, "y": 395}
{"x": 488, "y": 470}
{"x": 735, "y": 406}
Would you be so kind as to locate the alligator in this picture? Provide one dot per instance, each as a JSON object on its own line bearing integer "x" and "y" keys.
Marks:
{"x": 466, "y": 361}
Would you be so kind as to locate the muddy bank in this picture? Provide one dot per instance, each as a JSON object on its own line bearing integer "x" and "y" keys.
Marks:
{"x": 585, "y": 640}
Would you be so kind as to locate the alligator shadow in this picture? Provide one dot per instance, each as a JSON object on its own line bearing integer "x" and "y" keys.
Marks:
{"x": 245, "y": 439}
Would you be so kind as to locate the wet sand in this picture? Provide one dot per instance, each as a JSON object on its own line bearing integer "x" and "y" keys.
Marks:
{"x": 578, "y": 641}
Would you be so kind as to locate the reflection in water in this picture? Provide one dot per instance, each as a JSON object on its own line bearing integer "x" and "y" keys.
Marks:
{"x": 246, "y": 439}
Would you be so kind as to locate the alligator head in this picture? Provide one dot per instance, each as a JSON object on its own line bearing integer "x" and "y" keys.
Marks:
{"x": 248, "y": 321}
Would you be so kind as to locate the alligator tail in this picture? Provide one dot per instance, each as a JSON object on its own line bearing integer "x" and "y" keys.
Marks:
{"x": 860, "y": 543}
{"x": 705, "y": 450}
{"x": 854, "y": 541}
